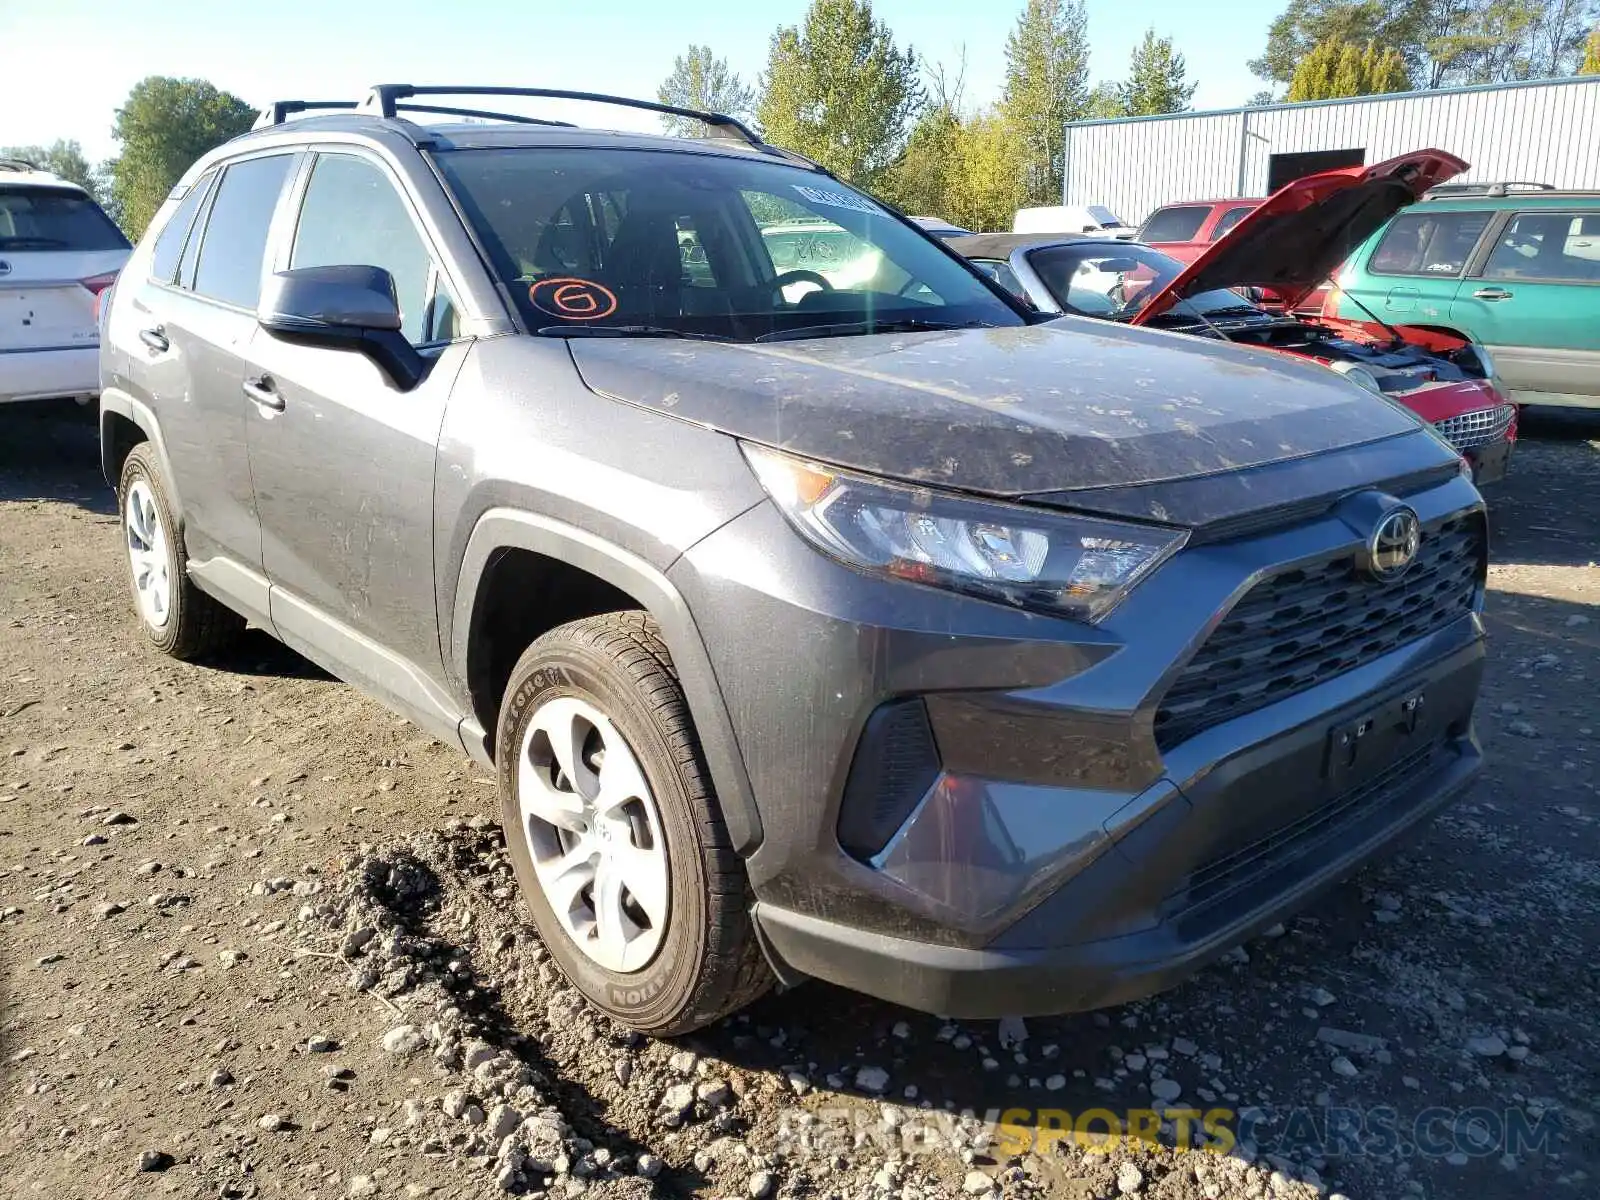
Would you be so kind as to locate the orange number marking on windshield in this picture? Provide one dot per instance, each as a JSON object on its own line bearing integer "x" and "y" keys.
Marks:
{"x": 574, "y": 299}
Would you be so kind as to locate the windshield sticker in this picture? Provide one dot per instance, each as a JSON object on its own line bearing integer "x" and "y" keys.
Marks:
{"x": 837, "y": 199}
{"x": 573, "y": 299}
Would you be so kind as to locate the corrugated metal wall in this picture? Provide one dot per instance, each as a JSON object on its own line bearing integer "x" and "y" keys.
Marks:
{"x": 1544, "y": 132}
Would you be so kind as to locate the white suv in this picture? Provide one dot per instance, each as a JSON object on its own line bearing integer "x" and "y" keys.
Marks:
{"x": 58, "y": 253}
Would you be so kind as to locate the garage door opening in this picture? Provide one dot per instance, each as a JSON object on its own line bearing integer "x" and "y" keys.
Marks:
{"x": 1286, "y": 168}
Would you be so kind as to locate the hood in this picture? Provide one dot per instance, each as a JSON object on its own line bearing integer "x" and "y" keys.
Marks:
{"x": 1069, "y": 404}
{"x": 1299, "y": 235}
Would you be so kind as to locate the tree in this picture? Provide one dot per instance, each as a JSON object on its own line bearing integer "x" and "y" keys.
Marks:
{"x": 60, "y": 157}
{"x": 1441, "y": 42}
{"x": 1305, "y": 24}
{"x": 1591, "y": 54}
{"x": 1336, "y": 69}
{"x": 1047, "y": 85}
{"x": 838, "y": 90}
{"x": 1262, "y": 98}
{"x": 701, "y": 80}
{"x": 989, "y": 170}
{"x": 163, "y": 126}
{"x": 1157, "y": 79}
{"x": 924, "y": 179}
{"x": 1108, "y": 101}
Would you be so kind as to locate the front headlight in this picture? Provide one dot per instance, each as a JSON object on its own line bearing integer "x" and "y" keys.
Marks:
{"x": 1078, "y": 566}
{"x": 1356, "y": 373}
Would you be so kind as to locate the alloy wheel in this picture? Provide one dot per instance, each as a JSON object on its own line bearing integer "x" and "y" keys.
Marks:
{"x": 147, "y": 554}
{"x": 595, "y": 834}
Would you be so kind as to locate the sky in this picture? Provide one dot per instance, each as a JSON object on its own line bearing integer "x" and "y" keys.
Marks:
{"x": 70, "y": 63}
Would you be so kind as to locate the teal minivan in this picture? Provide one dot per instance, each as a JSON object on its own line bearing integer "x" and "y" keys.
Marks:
{"x": 1515, "y": 267}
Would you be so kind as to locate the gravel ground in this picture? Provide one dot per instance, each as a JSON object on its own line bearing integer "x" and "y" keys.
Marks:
{"x": 260, "y": 938}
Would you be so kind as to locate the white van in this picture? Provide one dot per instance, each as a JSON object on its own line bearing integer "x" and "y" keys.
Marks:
{"x": 1071, "y": 218}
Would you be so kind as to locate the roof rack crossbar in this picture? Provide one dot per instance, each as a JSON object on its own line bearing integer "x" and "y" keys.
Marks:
{"x": 1498, "y": 188}
{"x": 451, "y": 111}
{"x": 279, "y": 110}
{"x": 384, "y": 100}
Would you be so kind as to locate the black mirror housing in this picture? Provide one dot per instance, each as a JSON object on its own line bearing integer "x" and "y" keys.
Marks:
{"x": 347, "y": 306}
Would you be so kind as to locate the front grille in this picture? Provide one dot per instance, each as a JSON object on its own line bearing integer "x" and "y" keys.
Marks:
{"x": 1231, "y": 869}
{"x": 1303, "y": 626}
{"x": 1473, "y": 429}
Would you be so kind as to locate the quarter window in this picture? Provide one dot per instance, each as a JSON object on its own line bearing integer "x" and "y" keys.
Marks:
{"x": 1428, "y": 243}
{"x": 169, "y": 246}
{"x": 352, "y": 215}
{"x": 234, "y": 244}
{"x": 1231, "y": 218}
{"x": 1547, "y": 246}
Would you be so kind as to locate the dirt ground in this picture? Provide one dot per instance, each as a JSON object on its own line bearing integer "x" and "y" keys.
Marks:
{"x": 259, "y": 938}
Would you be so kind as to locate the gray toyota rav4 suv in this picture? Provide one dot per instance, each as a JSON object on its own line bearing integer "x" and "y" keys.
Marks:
{"x": 823, "y": 611}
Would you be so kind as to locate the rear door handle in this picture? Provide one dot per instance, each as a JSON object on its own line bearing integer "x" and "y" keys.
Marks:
{"x": 261, "y": 390}
{"x": 1492, "y": 293}
{"x": 156, "y": 339}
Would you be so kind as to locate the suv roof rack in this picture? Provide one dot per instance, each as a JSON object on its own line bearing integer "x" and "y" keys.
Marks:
{"x": 390, "y": 101}
{"x": 280, "y": 110}
{"x": 18, "y": 164}
{"x": 1489, "y": 189}
{"x": 385, "y": 101}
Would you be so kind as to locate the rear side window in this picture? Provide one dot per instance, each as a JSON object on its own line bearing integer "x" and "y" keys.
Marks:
{"x": 1547, "y": 246}
{"x": 1176, "y": 224}
{"x": 1428, "y": 243}
{"x": 169, "y": 245}
{"x": 352, "y": 214}
{"x": 235, "y": 240}
{"x": 1231, "y": 218}
{"x": 48, "y": 218}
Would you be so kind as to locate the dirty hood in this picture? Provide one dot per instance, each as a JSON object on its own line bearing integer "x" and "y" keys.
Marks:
{"x": 1070, "y": 404}
{"x": 1300, "y": 234}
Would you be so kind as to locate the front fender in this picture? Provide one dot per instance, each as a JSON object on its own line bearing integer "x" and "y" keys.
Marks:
{"x": 504, "y": 528}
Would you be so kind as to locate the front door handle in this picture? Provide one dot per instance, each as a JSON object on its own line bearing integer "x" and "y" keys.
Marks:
{"x": 263, "y": 392}
{"x": 1492, "y": 293}
{"x": 156, "y": 339}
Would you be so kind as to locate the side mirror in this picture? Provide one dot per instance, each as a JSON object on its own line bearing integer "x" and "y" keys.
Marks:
{"x": 346, "y": 307}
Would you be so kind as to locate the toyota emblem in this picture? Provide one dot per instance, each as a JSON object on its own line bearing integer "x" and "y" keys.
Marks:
{"x": 1393, "y": 546}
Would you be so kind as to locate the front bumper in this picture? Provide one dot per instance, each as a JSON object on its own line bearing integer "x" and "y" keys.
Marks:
{"x": 1490, "y": 463}
{"x": 1185, "y": 881}
{"x": 1065, "y": 857}
{"x": 49, "y": 374}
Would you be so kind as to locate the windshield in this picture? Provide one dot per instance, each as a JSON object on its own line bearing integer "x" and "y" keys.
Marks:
{"x": 1107, "y": 218}
{"x": 1117, "y": 279}
{"x": 609, "y": 242}
{"x": 37, "y": 218}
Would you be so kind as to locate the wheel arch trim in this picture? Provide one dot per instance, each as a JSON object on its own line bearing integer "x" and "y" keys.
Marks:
{"x": 119, "y": 403}
{"x": 510, "y": 529}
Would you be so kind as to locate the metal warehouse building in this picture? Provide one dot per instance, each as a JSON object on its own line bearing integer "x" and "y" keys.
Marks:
{"x": 1542, "y": 132}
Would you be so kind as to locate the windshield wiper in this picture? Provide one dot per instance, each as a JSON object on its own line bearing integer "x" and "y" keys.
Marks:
{"x": 848, "y": 328}
{"x": 621, "y": 331}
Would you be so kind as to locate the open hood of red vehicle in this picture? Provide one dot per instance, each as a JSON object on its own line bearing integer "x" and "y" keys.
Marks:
{"x": 1300, "y": 234}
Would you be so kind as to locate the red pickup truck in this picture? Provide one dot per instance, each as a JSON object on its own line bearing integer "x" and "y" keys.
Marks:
{"x": 1185, "y": 232}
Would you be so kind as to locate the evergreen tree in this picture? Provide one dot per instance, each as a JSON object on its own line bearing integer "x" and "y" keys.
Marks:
{"x": 838, "y": 90}
{"x": 1157, "y": 82}
{"x": 1047, "y": 85}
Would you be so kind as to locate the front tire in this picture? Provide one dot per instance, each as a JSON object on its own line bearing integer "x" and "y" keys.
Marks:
{"x": 615, "y": 834}
{"x": 176, "y": 616}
